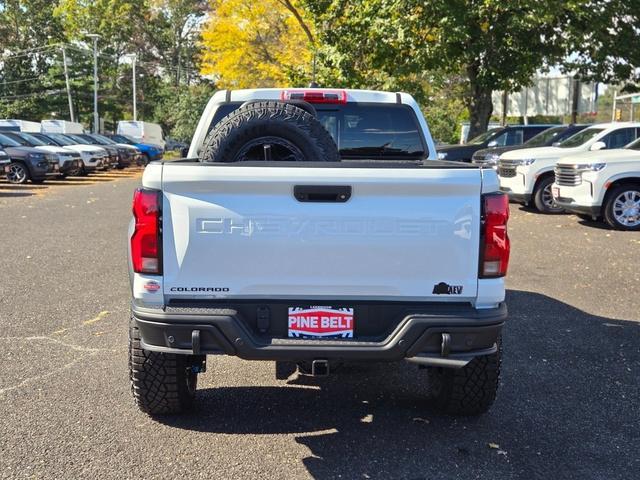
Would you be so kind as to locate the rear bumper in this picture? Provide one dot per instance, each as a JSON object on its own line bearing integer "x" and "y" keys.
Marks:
{"x": 418, "y": 337}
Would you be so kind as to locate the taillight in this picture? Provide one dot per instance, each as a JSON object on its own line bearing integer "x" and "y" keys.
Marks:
{"x": 494, "y": 243}
{"x": 146, "y": 240}
{"x": 315, "y": 95}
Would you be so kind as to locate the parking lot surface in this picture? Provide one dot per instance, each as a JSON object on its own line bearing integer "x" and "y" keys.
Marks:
{"x": 568, "y": 406}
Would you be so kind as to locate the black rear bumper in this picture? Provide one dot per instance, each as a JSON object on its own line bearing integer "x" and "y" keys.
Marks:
{"x": 444, "y": 335}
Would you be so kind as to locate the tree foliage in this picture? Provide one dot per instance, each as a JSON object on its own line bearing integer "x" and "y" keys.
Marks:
{"x": 450, "y": 54}
{"x": 495, "y": 44}
{"x": 603, "y": 40}
{"x": 255, "y": 44}
{"x": 164, "y": 34}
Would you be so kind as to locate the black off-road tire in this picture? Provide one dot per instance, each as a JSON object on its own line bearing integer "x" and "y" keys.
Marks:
{"x": 270, "y": 119}
{"x": 608, "y": 207}
{"x": 542, "y": 194}
{"x": 161, "y": 383}
{"x": 470, "y": 390}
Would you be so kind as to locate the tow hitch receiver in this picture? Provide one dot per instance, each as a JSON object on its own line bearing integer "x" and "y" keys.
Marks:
{"x": 320, "y": 368}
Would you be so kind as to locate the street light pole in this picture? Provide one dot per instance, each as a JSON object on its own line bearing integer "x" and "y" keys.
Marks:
{"x": 66, "y": 79}
{"x": 96, "y": 118}
{"x": 135, "y": 110}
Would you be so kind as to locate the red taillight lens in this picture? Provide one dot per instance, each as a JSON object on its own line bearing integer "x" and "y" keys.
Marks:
{"x": 146, "y": 241}
{"x": 315, "y": 95}
{"x": 495, "y": 246}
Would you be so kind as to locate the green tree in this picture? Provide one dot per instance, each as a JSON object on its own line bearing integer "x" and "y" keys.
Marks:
{"x": 163, "y": 34}
{"x": 443, "y": 106}
{"x": 27, "y": 81}
{"x": 180, "y": 115}
{"x": 172, "y": 29}
{"x": 496, "y": 44}
{"x": 603, "y": 40}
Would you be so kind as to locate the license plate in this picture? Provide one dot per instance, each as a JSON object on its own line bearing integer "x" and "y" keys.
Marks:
{"x": 555, "y": 192}
{"x": 320, "y": 322}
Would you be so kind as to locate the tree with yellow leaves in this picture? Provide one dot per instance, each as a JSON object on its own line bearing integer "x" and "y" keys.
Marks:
{"x": 248, "y": 44}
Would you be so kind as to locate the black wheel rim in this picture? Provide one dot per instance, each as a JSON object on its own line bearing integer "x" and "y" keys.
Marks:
{"x": 269, "y": 148}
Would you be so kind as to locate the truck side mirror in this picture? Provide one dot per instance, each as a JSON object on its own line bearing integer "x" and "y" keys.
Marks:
{"x": 598, "y": 146}
{"x": 184, "y": 151}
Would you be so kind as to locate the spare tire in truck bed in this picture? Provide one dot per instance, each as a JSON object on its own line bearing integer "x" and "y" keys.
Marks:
{"x": 269, "y": 130}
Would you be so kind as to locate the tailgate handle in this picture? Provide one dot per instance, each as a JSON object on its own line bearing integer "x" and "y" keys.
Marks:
{"x": 322, "y": 193}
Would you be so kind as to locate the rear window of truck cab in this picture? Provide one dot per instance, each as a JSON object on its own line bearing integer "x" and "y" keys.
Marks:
{"x": 364, "y": 131}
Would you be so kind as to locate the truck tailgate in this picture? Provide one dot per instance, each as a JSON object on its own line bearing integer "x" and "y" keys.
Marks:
{"x": 239, "y": 231}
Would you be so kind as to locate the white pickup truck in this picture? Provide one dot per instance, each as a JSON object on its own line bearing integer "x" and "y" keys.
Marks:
{"x": 315, "y": 227}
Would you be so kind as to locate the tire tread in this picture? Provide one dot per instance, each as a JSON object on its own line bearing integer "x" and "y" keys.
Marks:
{"x": 157, "y": 379}
{"x": 470, "y": 390}
{"x": 243, "y": 124}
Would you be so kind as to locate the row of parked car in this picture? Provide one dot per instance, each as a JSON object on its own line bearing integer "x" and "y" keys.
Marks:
{"x": 592, "y": 170}
{"x": 34, "y": 151}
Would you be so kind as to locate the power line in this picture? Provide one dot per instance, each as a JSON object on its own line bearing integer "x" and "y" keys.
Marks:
{"x": 26, "y": 95}
{"x": 29, "y": 51}
{"x": 154, "y": 63}
{"x": 157, "y": 64}
{"x": 30, "y": 79}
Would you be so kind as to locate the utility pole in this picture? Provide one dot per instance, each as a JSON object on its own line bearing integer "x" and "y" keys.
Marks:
{"x": 66, "y": 78}
{"x": 505, "y": 106}
{"x": 575, "y": 100}
{"x": 96, "y": 118}
{"x": 135, "y": 108}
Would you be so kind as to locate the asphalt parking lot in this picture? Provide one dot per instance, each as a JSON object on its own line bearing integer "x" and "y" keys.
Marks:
{"x": 568, "y": 406}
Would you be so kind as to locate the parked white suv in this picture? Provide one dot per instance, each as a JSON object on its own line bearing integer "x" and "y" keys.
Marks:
{"x": 603, "y": 184}
{"x": 527, "y": 175}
